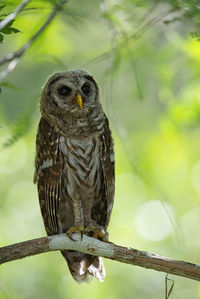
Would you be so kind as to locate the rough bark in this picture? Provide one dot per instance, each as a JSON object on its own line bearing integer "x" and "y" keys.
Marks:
{"x": 99, "y": 248}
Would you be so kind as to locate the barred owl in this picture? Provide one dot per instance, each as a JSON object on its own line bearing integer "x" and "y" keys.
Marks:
{"x": 74, "y": 165}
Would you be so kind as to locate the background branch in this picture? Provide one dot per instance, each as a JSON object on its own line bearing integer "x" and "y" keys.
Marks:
{"x": 95, "y": 247}
{"x": 15, "y": 57}
{"x": 13, "y": 15}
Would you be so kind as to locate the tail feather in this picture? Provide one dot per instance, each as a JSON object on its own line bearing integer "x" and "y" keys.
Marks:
{"x": 97, "y": 269}
{"x": 84, "y": 266}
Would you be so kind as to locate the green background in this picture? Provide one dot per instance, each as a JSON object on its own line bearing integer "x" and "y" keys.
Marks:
{"x": 147, "y": 65}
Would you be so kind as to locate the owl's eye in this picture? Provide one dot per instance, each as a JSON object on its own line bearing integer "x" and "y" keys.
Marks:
{"x": 64, "y": 90}
{"x": 86, "y": 88}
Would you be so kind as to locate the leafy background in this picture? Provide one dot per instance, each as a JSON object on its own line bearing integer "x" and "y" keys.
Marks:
{"x": 145, "y": 56}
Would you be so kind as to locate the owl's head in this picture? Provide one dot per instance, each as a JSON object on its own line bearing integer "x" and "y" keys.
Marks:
{"x": 71, "y": 90}
{"x": 70, "y": 101}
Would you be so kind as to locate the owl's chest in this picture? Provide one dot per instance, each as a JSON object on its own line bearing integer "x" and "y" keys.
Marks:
{"x": 81, "y": 165}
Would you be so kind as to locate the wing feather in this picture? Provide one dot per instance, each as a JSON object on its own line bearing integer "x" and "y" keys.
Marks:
{"x": 48, "y": 175}
{"x": 108, "y": 167}
{"x": 103, "y": 207}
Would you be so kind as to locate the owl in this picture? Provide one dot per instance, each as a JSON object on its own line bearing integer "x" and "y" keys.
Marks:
{"x": 74, "y": 166}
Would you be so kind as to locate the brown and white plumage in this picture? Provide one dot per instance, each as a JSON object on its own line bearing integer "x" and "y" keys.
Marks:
{"x": 75, "y": 165}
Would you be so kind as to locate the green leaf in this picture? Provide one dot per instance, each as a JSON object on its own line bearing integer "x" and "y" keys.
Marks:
{"x": 8, "y": 29}
{"x": 11, "y": 86}
{"x": 14, "y": 30}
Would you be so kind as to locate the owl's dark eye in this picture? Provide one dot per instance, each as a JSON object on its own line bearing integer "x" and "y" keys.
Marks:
{"x": 86, "y": 88}
{"x": 64, "y": 90}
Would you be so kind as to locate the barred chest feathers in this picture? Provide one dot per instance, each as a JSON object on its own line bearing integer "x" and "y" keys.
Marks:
{"x": 82, "y": 166}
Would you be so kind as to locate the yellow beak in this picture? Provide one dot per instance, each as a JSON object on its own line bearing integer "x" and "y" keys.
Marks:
{"x": 79, "y": 100}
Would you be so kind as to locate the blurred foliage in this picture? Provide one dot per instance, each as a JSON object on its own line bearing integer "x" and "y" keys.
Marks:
{"x": 145, "y": 56}
{"x": 8, "y": 29}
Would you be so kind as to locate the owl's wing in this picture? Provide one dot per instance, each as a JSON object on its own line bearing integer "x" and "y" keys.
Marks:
{"x": 48, "y": 168}
{"x": 103, "y": 208}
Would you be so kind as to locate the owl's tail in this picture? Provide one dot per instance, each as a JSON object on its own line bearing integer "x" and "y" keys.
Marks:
{"x": 84, "y": 266}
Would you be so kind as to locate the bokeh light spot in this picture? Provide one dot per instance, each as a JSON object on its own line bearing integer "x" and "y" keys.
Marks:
{"x": 152, "y": 220}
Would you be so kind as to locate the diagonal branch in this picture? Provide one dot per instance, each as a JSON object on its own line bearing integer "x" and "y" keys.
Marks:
{"x": 15, "y": 57}
{"x": 13, "y": 15}
{"x": 95, "y": 247}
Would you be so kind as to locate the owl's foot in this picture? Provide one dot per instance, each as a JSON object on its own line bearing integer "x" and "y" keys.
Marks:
{"x": 75, "y": 229}
{"x": 97, "y": 231}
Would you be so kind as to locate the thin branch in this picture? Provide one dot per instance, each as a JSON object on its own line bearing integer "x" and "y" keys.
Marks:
{"x": 168, "y": 292}
{"x": 15, "y": 57}
{"x": 122, "y": 43}
{"x": 13, "y": 15}
{"x": 95, "y": 247}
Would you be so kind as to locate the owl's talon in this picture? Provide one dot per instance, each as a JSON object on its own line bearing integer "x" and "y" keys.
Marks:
{"x": 75, "y": 229}
{"x": 96, "y": 231}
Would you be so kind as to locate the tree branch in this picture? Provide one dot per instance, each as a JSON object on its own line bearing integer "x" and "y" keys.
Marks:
{"x": 95, "y": 247}
{"x": 13, "y": 15}
{"x": 123, "y": 43}
{"x": 15, "y": 57}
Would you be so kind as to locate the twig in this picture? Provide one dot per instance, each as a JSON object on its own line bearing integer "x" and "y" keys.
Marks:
{"x": 168, "y": 292}
{"x": 95, "y": 247}
{"x": 14, "y": 57}
{"x": 123, "y": 43}
{"x": 13, "y": 15}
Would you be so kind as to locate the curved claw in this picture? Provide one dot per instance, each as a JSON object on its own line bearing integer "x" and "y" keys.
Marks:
{"x": 97, "y": 231}
{"x": 74, "y": 229}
